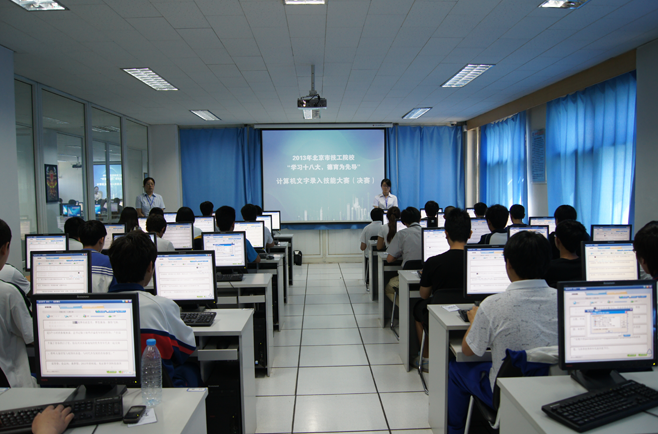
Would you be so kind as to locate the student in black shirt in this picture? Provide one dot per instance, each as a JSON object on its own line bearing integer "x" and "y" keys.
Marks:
{"x": 569, "y": 266}
{"x": 496, "y": 216}
{"x": 645, "y": 245}
{"x": 431, "y": 210}
{"x": 480, "y": 209}
{"x": 562, "y": 213}
{"x": 517, "y": 214}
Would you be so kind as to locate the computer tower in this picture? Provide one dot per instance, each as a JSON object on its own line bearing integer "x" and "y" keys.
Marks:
{"x": 260, "y": 339}
{"x": 223, "y": 404}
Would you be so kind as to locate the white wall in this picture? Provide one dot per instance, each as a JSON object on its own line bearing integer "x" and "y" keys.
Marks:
{"x": 537, "y": 192}
{"x": 164, "y": 162}
{"x": 9, "y": 161}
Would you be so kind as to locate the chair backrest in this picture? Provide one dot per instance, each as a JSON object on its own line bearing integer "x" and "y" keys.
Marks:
{"x": 415, "y": 264}
{"x": 516, "y": 365}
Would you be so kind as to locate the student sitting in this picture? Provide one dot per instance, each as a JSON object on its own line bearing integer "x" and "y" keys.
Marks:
{"x": 249, "y": 213}
{"x": 206, "y": 208}
{"x": 496, "y": 216}
{"x": 133, "y": 260}
{"x": 186, "y": 215}
{"x": 156, "y": 223}
{"x": 388, "y": 231}
{"x": 9, "y": 274}
{"x": 569, "y": 266}
{"x": 517, "y": 214}
{"x": 521, "y": 318}
{"x": 406, "y": 245}
{"x": 448, "y": 210}
{"x": 225, "y": 220}
{"x": 156, "y": 210}
{"x": 645, "y": 245}
{"x": 129, "y": 218}
{"x": 377, "y": 216}
{"x": 563, "y": 213}
{"x": 432, "y": 211}
{"x": 71, "y": 228}
{"x": 92, "y": 236}
{"x": 480, "y": 210}
{"x": 15, "y": 325}
{"x": 259, "y": 212}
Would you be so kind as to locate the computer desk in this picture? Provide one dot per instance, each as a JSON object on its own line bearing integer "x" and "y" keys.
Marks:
{"x": 290, "y": 252}
{"x": 409, "y": 294}
{"x": 521, "y": 400}
{"x": 382, "y": 267}
{"x": 181, "y": 411}
{"x": 284, "y": 248}
{"x": 275, "y": 267}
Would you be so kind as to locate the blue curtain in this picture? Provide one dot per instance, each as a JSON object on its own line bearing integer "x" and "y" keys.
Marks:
{"x": 503, "y": 162}
{"x": 426, "y": 163}
{"x": 590, "y": 148}
{"x": 222, "y": 166}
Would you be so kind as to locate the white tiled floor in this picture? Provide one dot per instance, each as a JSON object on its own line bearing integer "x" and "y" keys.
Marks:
{"x": 335, "y": 369}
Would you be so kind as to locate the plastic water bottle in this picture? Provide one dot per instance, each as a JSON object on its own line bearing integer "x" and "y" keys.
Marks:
{"x": 151, "y": 375}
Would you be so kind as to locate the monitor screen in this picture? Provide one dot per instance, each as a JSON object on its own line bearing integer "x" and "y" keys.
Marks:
{"x": 75, "y": 210}
{"x": 400, "y": 226}
{"x": 267, "y": 220}
{"x": 87, "y": 338}
{"x": 170, "y": 217}
{"x": 434, "y": 242}
{"x": 206, "y": 224}
{"x": 485, "y": 271}
{"x": 97, "y": 208}
{"x": 423, "y": 223}
{"x": 423, "y": 214}
{"x": 606, "y": 324}
{"x": 614, "y": 260}
{"x": 543, "y": 221}
{"x": 230, "y": 248}
{"x": 65, "y": 210}
{"x": 142, "y": 223}
{"x": 254, "y": 231}
{"x": 185, "y": 276}
{"x": 441, "y": 220}
{"x": 44, "y": 243}
{"x": 479, "y": 228}
{"x": 612, "y": 232}
{"x": 61, "y": 272}
{"x": 180, "y": 235}
{"x": 114, "y": 207}
{"x": 513, "y": 230}
{"x": 112, "y": 228}
{"x": 276, "y": 219}
{"x": 471, "y": 212}
{"x": 150, "y": 234}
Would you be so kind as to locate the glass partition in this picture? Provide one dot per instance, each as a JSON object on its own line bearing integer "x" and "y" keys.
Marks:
{"x": 136, "y": 163}
{"x": 108, "y": 189}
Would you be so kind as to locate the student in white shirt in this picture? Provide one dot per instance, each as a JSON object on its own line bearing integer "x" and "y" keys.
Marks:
{"x": 71, "y": 228}
{"x": 406, "y": 245}
{"x": 496, "y": 216}
{"x": 388, "y": 230}
{"x": 10, "y": 274}
{"x": 249, "y": 213}
{"x": 157, "y": 223}
{"x": 186, "y": 215}
{"x": 385, "y": 200}
{"x": 372, "y": 230}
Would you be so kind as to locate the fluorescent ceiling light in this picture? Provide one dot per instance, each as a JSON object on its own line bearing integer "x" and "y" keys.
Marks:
{"x": 563, "y": 4}
{"x": 205, "y": 115}
{"x": 150, "y": 78}
{"x": 304, "y": 2}
{"x": 416, "y": 113}
{"x": 57, "y": 121}
{"x": 40, "y": 5}
{"x": 466, "y": 75}
{"x": 106, "y": 129}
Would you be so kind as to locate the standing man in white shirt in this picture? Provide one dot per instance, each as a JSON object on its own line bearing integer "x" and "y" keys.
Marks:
{"x": 385, "y": 200}
{"x": 148, "y": 199}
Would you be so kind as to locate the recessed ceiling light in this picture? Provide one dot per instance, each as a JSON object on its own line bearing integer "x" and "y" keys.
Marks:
{"x": 40, "y": 5}
{"x": 305, "y": 2}
{"x": 150, "y": 78}
{"x": 563, "y": 4}
{"x": 416, "y": 113}
{"x": 206, "y": 115}
{"x": 466, "y": 75}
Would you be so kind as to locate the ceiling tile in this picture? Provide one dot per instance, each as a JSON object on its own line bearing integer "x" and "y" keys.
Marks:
{"x": 103, "y": 16}
{"x": 253, "y": 63}
{"x": 182, "y": 14}
{"x": 134, "y": 8}
{"x": 224, "y": 7}
{"x": 154, "y": 29}
{"x": 350, "y": 13}
{"x": 230, "y": 26}
{"x": 241, "y": 47}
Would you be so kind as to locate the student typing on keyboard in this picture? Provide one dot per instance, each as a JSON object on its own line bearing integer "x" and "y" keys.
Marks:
{"x": 53, "y": 420}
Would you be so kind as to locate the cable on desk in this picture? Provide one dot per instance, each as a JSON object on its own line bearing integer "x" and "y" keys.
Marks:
{"x": 94, "y": 429}
{"x": 647, "y": 412}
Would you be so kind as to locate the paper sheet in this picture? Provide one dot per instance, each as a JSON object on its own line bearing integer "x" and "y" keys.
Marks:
{"x": 149, "y": 417}
{"x": 451, "y": 308}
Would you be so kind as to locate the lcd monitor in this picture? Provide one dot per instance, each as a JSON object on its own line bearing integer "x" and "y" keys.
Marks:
{"x": 112, "y": 228}
{"x": 170, "y": 217}
{"x": 434, "y": 242}
{"x": 114, "y": 207}
{"x": 142, "y": 223}
{"x": 471, "y": 212}
{"x": 254, "y": 231}
{"x": 65, "y": 210}
{"x": 61, "y": 272}
{"x": 400, "y": 226}
{"x": 611, "y": 260}
{"x": 181, "y": 235}
{"x": 423, "y": 223}
{"x": 543, "y": 221}
{"x": 441, "y": 220}
{"x": 75, "y": 210}
{"x": 230, "y": 249}
{"x": 479, "y": 228}
{"x": 188, "y": 278}
{"x": 612, "y": 232}
{"x": 513, "y": 230}
{"x": 47, "y": 243}
{"x": 267, "y": 220}
{"x": 484, "y": 271}
{"x": 276, "y": 219}
{"x": 97, "y": 208}
{"x": 206, "y": 224}
{"x": 423, "y": 214}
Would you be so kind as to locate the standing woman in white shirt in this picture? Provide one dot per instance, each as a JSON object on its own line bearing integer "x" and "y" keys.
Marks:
{"x": 385, "y": 200}
{"x": 148, "y": 199}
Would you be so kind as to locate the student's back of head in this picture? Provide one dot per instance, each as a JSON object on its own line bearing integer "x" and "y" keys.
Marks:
{"x": 410, "y": 215}
{"x": 571, "y": 233}
{"x": 249, "y": 212}
{"x": 497, "y": 215}
{"x": 131, "y": 255}
{"x": 480, "y": 209}
{"x": 377, "y": 215}
{"x": 565, "y": 212}
{"x": 448, "y": 210}
{"x": 91, "y": 232}
{"x": 517, "y": 212}
{"x": 645, "y": 245}
{"x": 259, "y": 210}
{"x": 206, "y": 208}
{"x": 458, "y": 225}
{"x": 529, "y": 255}
{"x": 156, "y": 223}
{"x": 72, "y": 227}
{"x": 431, "y": 208}
{"x": 5, "y": 233}
{"x": 393, "y": 215}
{"x": 225, "y": 218}
{"x": 185, "y": 215}
{"x": 157, "y": 210}
{"x": 129, "y": 218}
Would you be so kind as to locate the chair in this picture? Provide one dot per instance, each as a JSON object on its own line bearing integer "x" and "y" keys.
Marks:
{"x": 374, "y": 249}
{"x": 415, "y": 264}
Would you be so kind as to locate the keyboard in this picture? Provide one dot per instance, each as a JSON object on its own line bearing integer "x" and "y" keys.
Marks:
{"x": 265, "y": 256}
{"x": 198, "y": 319}
{"x": 92, "y": 411}
{"x": 596, "y": 408}
{"x": 229, "y": 277}
{"x": 463, "y": 313}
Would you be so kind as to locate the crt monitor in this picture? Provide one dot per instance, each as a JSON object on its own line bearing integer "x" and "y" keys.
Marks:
{"x": 181, "y": 235}
{"x": 188, "y": 278}
{"x": 513, "y": 230}
{"x": 87, "y": 339}
{"x": 434, "y": 242}
{"x": 611, "y": 260}
{"x": 61, "y": 272}
{"x": 543, "y": 221}
{"x": 151, "y": 235}
{"x": 142, "y": 223}
{"x": 267, "y": 221}
{"x": 47, "y": 243}
{"x": 170, "y": 217}
{"x": 254, "y": 231}
{"x": 205, "y": 224}
{"x": 484, "y": 271}
{"x": 276, "y": 219}
{"x": 612, "y": 232}
{"x": 230, "y": 249}
{"x": 112, "y": 228}
{"x": 604, "y": 326}
{"x": 479, "y": 228}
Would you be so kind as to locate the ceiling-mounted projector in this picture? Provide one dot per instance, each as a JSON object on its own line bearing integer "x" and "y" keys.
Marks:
{"x": 312, "y": 102}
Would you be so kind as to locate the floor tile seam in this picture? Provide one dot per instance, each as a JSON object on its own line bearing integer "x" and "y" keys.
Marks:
{"x": 299, "y": 357}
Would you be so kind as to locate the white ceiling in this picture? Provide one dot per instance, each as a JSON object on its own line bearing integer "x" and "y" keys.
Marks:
{"x": 249, "y": 60}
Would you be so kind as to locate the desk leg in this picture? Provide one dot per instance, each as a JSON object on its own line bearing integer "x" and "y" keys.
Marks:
{"x": 438, "y": 376}
{"x": 282, "y": 283}
{"x": 248, "y": 379}
{"x": 285, "y": 275}
{"x": 290, "y": 261}
{"x": 380, "y": 291}
{"x": 403, "y": 325}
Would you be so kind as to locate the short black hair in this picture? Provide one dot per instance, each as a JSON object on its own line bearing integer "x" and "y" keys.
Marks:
{"x": 410, "y": 215}
{"x": 431, "y": 208}
{"x": 131, "y": 255}
{"x": 645, "y": 245}
{"x": 5, "y": 233}
{"x": 385, "y": 181}
{"x": 72, "y": 227}
{"x": 458, "y": 225}
{"x": 517, "y": 211}
{"x": 259, "y": 210}
{"x": 497, "y": 215}
{"x": 565, "y": 212}
{"x": 249, "y": 213}
{"x": 147, "y": 180}
{"x": 206, "y": 208}
{"x": 225, "y": 217}
{"x": 480, "y": 208}
{"x": 155, "y": 223}
{"x": 571, "y": 233}
{"x": 185, "y": 215}
{"x": 130, "y": 218}
{"x": 529, "y": 254}
{"x": 377, "y": 215}
{"x": 156, "y": 210}
{"x": 91, "y": 232}
{"x": 448, "y": 210}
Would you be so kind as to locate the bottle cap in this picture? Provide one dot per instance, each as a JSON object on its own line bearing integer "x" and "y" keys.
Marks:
{"x": 150, "y": 342}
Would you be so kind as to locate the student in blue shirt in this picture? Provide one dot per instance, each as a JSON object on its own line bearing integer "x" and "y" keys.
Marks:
{"x": 92, "y": 236}
{"x": 225, "y": 220}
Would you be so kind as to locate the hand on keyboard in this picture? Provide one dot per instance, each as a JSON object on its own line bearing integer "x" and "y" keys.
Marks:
{"x": 52, "y": 420}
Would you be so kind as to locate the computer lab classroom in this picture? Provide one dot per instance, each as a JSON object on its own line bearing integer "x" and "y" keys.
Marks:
{"x": 502, "y": 102}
